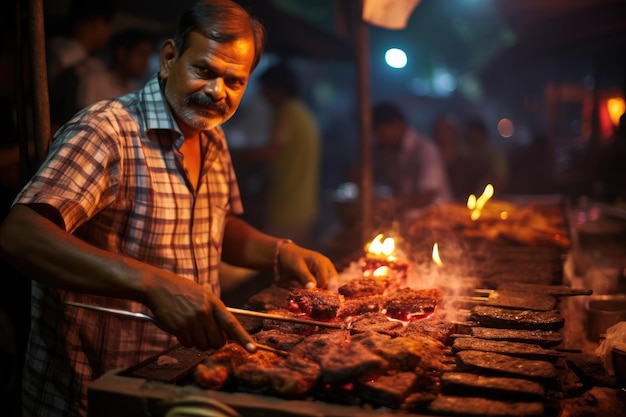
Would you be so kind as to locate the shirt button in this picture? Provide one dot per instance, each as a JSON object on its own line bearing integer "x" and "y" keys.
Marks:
{"x": 198, "y": 240}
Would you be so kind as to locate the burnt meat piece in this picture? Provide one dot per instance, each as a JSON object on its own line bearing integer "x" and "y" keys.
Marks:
{"x": 290, "y": 377}
{"x": 358, "y": 306}
{"x": 554, "y": 290}
{"x": 437, "y": 329}
{"x": 408, "y": 304}
{"x": 316, "y": 303}
{"x": 376, "y": 322}
{"x": 521, "y": 300}
{"x": 487, "y": 316}
{"x": 343, "y": 365}
{"x": 278, "y": 339}
{"x": 286, "y": 326}
{"x": 273, "y": 297}
{"x": 217, "y": 369}
{"x": 364, "y": 287}
{"x": 388, "y": 390}
{"x": 538, "y": 337}
{"x": 504, "y": 365}
{"x": 476, "y": 406}
{"x": 340, "y": 359}
{"x": 404, "y": 353}
{"x": 459, "y": 383}
{"x": 520, "y": 350}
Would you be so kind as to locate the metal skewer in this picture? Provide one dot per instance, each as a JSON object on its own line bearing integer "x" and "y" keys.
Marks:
{"x": 152, "y": 319}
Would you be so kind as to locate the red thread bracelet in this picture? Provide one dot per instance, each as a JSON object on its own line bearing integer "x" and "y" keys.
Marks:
{"x": 279, "y": 246}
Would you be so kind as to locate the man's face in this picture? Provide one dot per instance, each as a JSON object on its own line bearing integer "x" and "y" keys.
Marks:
{"x": 390, "y": 134}
{"x": 205, "y": 84}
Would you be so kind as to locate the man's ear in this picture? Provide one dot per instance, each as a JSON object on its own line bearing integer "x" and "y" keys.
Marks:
{"x": 167, "y": 57}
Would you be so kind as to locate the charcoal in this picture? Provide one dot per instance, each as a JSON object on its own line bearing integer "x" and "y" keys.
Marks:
{"x": 487, "y": 316}
{"x": 316, "y": 303}
{"x": 475, "y": 406}
{"x": 505, "y": 365}
{"x": 388, "y": 390}
{"x": 460, "y": 383}
{"x": 538, "y": 337}
{"x": 520, "y": 350}
{"x": 312, "y": 346}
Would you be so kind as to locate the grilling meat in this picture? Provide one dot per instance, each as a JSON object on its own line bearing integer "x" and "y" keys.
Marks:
{"x": 388, "y": 390}
{"x": 290, "y": 377}
{"x": 357, "y": 306}
{"x": 365, "y": 286}
{"x": 459, "y": 383}
{"x": 409, "y": 304}
{"x": 376, "y": 322}
{"x": 521, "y": 300}
{"x": 487, "y": 316}
{"x": 316, "y": 303}
{"x": 475, "y": 406}
{"x": 273, "y": 297}
{"x": 520, "y": 350}
{"x": 278, "y": 339}
{"x": 504, "y": 365}
{"x": 538, "y": 337}
{"x": 216, "y": 369}
{"x": 437, "y": 329}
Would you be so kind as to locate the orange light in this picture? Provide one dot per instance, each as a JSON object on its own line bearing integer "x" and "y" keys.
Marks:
{"x": 616, "y": 108}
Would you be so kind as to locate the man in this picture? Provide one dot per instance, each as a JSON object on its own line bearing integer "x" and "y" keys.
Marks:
{"x": 75, "y": 53}
{"x": 131, "y": 51}
{"x": 292, "y": 156}
{"x": 406, "y": 162}
{"x": 134, "y": 208}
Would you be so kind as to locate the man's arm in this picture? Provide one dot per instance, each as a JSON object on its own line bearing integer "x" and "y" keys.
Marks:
{"x": 36, "y": 244}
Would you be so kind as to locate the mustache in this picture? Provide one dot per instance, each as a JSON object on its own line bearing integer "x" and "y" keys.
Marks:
{"x": 203, "y": 100}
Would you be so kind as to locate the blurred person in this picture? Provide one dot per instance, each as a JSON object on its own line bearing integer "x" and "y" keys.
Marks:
{"x": 71, "y": 54}
{"x": 406, "y": 161}
{"x": 293, "y": 157}
{"x": 133, "y": 208}
{"x": 483, "y": 154}
{"x": 131, "y": 51}
{"x": 461, "y": 170}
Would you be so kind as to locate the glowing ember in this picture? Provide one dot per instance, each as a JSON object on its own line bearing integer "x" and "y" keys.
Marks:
{"x": 380, "y": 260}
{"x": 436, "y": 257}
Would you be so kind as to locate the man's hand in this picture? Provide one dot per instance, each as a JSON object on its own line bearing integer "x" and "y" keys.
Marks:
{"x": 195, "y": 316}
{"x": 311, "y": 268}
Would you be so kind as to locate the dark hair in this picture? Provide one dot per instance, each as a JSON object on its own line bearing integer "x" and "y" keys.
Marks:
{"x": 84, "y": 10}
{"x": 222, "y": 21}
{"x": 282, "y": 77}
{"x": 130, "y": 38}
{"x": 386, "y": 112}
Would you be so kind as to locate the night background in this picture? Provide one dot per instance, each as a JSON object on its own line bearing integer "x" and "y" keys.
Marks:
{"x": 552, "y": 68}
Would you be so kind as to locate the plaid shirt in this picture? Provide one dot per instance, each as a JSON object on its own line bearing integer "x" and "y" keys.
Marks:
{"x": 115, "y": 175}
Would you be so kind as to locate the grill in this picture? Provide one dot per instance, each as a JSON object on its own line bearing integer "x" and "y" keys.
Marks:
{"x": 489, "y": 332}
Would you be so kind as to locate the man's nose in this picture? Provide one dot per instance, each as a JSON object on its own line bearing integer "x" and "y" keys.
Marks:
{"x": 215, "y": 88}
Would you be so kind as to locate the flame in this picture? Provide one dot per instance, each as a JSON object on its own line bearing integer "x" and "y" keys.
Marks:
{"x": 381, "y": 247}
{"x": 436, "y": 257}
{"x": 381, "y": 271}
{"x": 476, "y": 204}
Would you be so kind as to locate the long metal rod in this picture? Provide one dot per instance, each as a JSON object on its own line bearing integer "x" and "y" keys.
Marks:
{"x": 236, "y": 311}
